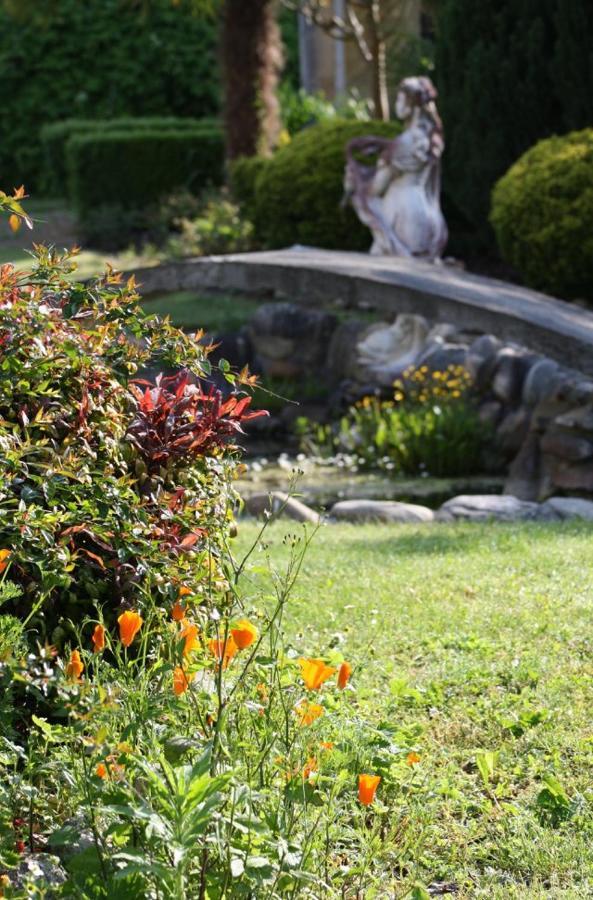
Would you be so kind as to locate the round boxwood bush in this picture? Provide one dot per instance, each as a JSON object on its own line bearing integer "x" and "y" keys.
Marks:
{"x": 298, "y": 192}
{"x": 542, "y": 213}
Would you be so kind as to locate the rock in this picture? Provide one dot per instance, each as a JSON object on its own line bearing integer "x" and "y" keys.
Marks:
{"x": 570, "y": 507}
{"x": 524, "y": 476}
{"x": 39, "y": 869}
{"x": 482, "y": 507}
{"x": 540, "y": 381}
{"x": 573, "y": 477}
{"x": 481, "y": 359}
{"x": 512, "y": 431}
{"x": 512, "y": 366}
{"x": 279, "y": 503}
{"x": 342, "y": 354}
{"x": 380, "y": 511}
{"x": 490, "y": 412}
{"x": 440, "y": 356}
{"x": 580, "y": 419}
{"x": 567, "y": 445}
{"x": 290, "y": 340}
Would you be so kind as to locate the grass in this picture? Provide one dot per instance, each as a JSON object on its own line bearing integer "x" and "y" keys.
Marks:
{"x": 216, "y": 313}
{"x": 474, "y": 645}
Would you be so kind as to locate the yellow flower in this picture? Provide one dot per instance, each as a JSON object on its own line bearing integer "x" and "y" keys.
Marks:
{"x": 314, "y": 672}
{"x": 4, "y": 557}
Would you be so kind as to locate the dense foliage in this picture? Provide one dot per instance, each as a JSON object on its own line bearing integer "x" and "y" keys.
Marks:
{"x": 314, "y": 160}
{"x": 542, "y": 214}
{"x": 155, "y": 731}
{"x": 108, "y": 492}
{"x": 55, "y": 137}
{"x": 100, "y": 59}
{"x": 527, "y": 73}
{"x": 429, "y": 427}
{"x": 115, "y": 174}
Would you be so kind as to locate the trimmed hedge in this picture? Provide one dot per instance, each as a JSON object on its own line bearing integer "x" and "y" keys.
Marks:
{"x": 55, "y": 137}
{"x": 134, "y": 169}
{"x": 298, "y": 191}
{"x": 242, "y": 176}
{"x": 99, "y": 59}
{"x": 542, "y": 214}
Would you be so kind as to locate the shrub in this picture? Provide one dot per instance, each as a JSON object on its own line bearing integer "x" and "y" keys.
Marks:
{"x": 298, "y": 192}
{"x": 542, "y": 214}
{"x": 55, "y": 137}
{"x": 507, "y": 99}
{"x": 243, "y": 174}
{"x": 218, "y": 227}
{"x": 99, "y": 59}
{"x": 132, "y": 171}
{"x": 109, "y": 493}
{"x": 300, "y": 110}
{"x": 429, "y": 427}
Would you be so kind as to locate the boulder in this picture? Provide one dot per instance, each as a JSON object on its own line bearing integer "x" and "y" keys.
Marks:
{"x": 570, "y": 507}
{"x": 279, "y": 503}
{"x": 41, "y": 870}
{"x": 482, "y": 507}
{"x": 290, "y": 340}
{"x": 524, "y": 475}
{"x": 512, "y": 431}
{"x": 342, "y": 354}
{"x": 481, "y": 359}
{"x": 380, "y": 511}
{"x": 512, "y": 366}
{"x": 567, "y": 445}
{"x": 541, "y": 381}
{"x": 386, "y": 351}
{"x": 440, "y": 356}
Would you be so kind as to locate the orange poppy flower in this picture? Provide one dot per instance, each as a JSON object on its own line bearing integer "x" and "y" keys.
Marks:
{"x": 326, "y": 745}
{"x": 308, "y": 712}
{"x": 190, "y": 634}
{"x": 367, "y": 788}
{"x": 98, "y": 638}
{"x": 310, "y": 768}
{"x": 101, "y": 770}
{"x": 223, "y": 650}
{"x": 314, "y": 672}
{"x": 184, "y": 591}
{"x": 244, "y": 634}
{"x": 130, "y": 624}
{"x": 344, "y": 674}
{"x": 181, "y": 681}
{"x": 75, "y": 667}
{"x": 178, "y": 611}
{"x": 413, "y": 759}
{"x": 4, "y": 557}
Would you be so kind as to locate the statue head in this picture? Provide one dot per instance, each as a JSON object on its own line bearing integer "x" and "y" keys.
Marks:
{"x": 415, "y": 91}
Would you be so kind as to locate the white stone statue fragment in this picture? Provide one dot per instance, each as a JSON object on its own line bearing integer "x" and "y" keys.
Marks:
{"x": 387, "y": 350}
{"x": 399, "y": 197}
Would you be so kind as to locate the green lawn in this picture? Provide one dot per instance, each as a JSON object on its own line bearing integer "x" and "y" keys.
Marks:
{"x": 473, "y": 646}
{"x": 215, "y": 313}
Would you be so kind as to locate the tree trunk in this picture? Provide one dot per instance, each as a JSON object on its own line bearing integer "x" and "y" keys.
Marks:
{"x": 251, "y": 63}
{"x": 378, "y": 50}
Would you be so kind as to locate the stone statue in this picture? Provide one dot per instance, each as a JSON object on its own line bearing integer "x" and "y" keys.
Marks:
{"x": 387, "y": 350}
{"x": 399, "y": 197}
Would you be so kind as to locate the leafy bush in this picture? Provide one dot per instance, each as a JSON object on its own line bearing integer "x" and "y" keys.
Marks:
{"x": 299, "y": 109}
{"x": 99, "y": 59}
{"x": 299, "y": 190}
{"x": 218, "y": 228}
{"x": 429, "y": 427}
{"x": 243, "y": 175}
{"x": 507, "y": 100}
{"x": 109, "y": 494}
{"x": 542, "y": 214}
{"x": 55, "y": 137}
